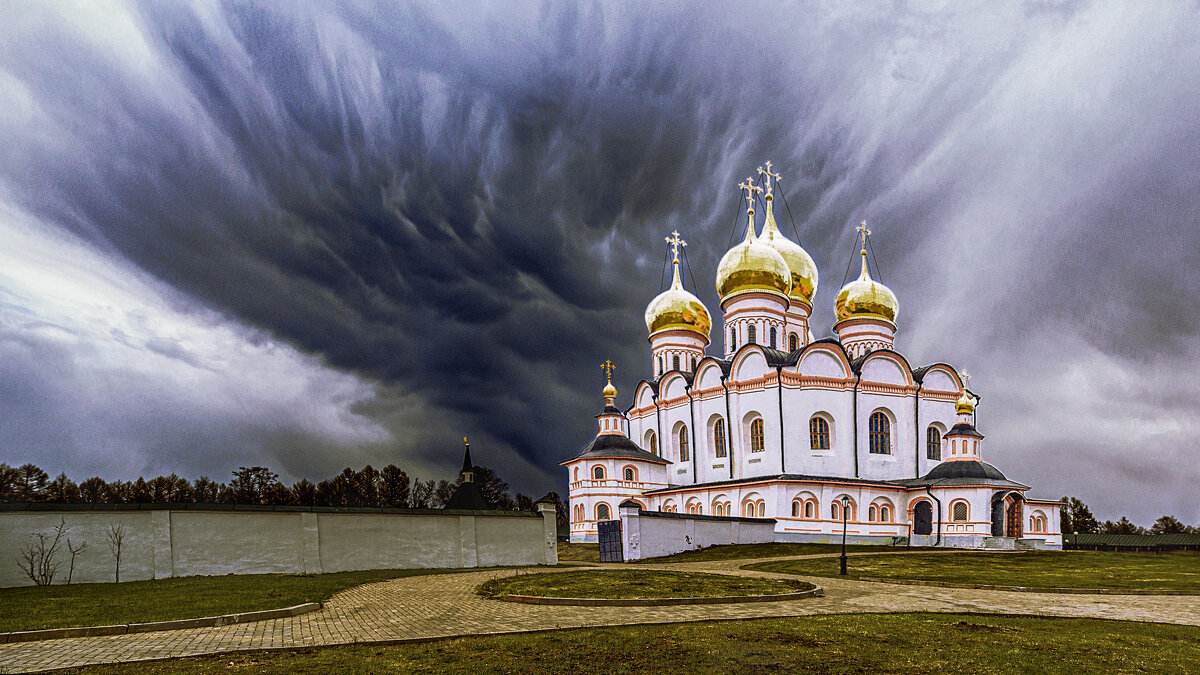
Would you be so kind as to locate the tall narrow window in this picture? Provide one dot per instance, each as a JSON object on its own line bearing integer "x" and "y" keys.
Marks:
{"x": 732, "y": 339}
{"x": 960, "y": 511}
{"x": 752, "y": 335}
{"x": 818, "y": 433}
{"x": 693, "y": 364}
{"x": 683, "y": 443}
{"x": 795, "y": 509}
{"x": 881, "y": 434}
{"x": 719, "y": 437}
{"x": 629, "y": 474}
{"x": 653, "y": 443}
{"x": 773, "y": 336}
{"x": 933, "y": 443}
{"x": 675, "y": 362}
{"x": 793, "y": 342}
{"x": 757, "y": 443}
{"x": 660, "y": 368}
{"x": 835, "y": 511}
{"x": 602, "y": 512}
{"x": 809, "y": 510}
{"x": 885, "y": 514}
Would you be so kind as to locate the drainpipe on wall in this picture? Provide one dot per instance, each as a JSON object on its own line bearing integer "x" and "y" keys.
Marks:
{"x": 782, "y": 463}
{"x": 917, "y": 431}
{"x": 728, "y": 428}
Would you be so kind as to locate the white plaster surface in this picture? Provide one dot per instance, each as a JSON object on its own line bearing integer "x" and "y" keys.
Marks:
{"x": 649, "y": 534}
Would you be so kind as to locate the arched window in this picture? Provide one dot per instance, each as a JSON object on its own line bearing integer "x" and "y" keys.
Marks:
{"x": 630, "y": 475}
{"x": 810, "y": 510}
{"x": 602, "y": 512}
{"x": 675, "y": 362}
{"x": 818, "y": 433}
{"x": 796, "y": 509}
{"x": 653, "y": 443}
{"x": 872, "y": 513}
{"x": 683, "y": 443}
{"x": 835, "y": 511}
{"x": 693, "y": 364}
{"x": 576, "y": 474}
{"x": 762, "y": 509}
{"x": 881, "y": 434}
{"x": 933, "y": 443}
{"x": 719, "y": 437}
{"x": 772, "y": 337}
{"x": 757, "y": 443}
{"x": 660, "y": 368}
{"x": 732, "y": 339}
{"x": 752, "y": 335}
{"x": 598, "y": 472}
{"x": 793, "y": 342}
{"x": 885, "y": 514}
{"x": 959, "y": 510}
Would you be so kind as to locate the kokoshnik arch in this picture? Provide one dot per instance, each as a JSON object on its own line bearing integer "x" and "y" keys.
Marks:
{"x": 784, "y": 426}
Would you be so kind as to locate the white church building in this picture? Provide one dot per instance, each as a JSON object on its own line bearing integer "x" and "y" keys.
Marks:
{"x": 787, "y": 427}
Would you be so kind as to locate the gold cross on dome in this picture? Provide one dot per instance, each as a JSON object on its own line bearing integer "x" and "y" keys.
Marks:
{"x": 608, "y": 368}
{"x": 965, "y": 376}
{"x": 862, "y": 230}
{"x": 750, "y": 188}
{"x": 768, "y": 175}
{"x": 675, "y": 243}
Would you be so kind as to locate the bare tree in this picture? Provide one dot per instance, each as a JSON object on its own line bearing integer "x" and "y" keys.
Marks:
{"x": 39, "y": 560}
{"x": 75, "y": 550}
{"x": 116, "y": 538}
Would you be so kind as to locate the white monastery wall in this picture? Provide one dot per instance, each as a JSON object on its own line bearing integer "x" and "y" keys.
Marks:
{"x": 163, "y": 543}
{"x": 648, "y": 535}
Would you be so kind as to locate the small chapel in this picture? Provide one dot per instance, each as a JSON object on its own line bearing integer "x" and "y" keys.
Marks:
{"x": 831, "y": 437}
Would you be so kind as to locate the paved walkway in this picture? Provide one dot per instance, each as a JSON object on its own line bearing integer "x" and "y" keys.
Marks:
{"x": 445, "y": 605}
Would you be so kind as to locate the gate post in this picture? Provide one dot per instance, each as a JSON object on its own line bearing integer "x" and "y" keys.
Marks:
{"x": 631, "y": 530}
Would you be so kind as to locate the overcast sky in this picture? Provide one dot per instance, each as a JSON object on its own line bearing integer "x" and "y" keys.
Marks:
{"x": 311, "y": 236}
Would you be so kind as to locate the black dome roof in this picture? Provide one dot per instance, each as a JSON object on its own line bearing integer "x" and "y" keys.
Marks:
{"x": 618, "y": 445}
{"x": 964, "y": 469}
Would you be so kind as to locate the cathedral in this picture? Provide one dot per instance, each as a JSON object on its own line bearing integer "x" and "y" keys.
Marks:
{"x": 839, "y": 434}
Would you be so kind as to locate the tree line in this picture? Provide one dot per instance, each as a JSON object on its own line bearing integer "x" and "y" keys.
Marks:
{"x": 389, "y": 487}
{"x": 1076, "y": 518}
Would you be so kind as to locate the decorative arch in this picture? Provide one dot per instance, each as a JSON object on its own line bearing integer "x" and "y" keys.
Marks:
{"x": 960, "y": 511}
{"x": 835, "y": 510}
{"x": 694, "y": 506}
{"x": 940, "y": 377}
{"x": 673, "y": 385}
{"x": 882, "y": 510}
{"x": 669, "y": 506}
{"x": 804, "y": 505}
{"x": 887, "y": 367}
{"x": 629, "y": 473}
{"x": 651, "y": 443}
{"x": 750, "y": 363}
{"x": 823, "y": 359}
{"x": 753, "y": 505}
{"x": 681, "y": 441}
{"x": 721, "y": 506}
{"x": 708, "y": 374}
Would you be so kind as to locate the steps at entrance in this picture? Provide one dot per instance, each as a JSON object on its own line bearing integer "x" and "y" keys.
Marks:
{"x": 1007, "y": 543}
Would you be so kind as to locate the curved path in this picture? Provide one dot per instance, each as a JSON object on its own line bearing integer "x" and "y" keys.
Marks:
{"x": 445, "y": 605}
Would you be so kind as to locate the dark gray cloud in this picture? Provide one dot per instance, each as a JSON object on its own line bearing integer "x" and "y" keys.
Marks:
{"x": 356, "y": 233}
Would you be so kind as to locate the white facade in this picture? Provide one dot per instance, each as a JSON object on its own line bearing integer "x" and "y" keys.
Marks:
{"x": 788, "y": 435}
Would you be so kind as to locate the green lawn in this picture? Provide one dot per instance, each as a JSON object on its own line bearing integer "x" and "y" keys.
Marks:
{"x": 635, "y": 584}
{"x": 1041, "y": 569}
{"x": 30, "y": 608}
{"x": 848, "y": 643}
{"x": 779, "y": 550}
{"x": 568, "y": 552}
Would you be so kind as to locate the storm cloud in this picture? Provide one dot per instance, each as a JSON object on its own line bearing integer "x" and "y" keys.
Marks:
{"x": 311, "y": 235}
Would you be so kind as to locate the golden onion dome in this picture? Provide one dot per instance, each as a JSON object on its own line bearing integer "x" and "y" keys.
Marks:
{"x": 801, "y": 264}
{"x": 675, "y": 308}
{"x": 609, "y": 390}
{"x": 865, "y": 297}
{"x": 965, "y": 405}
{"x": 753, "y": 266}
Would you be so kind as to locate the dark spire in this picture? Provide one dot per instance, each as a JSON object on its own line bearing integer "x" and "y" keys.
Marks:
{"x": 468, "y": 469}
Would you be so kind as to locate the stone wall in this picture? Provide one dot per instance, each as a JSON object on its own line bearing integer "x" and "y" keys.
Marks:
{"x": 184, "y": 540}
{"x": 648, "y": 534}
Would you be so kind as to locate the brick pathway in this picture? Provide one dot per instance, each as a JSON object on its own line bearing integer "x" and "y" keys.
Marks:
{"x": 446, "y": 605}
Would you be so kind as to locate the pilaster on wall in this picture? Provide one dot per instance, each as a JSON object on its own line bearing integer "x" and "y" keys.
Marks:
{"x": 160, "y": 542}
{"x": 550, "y": 530}
{"x": 467, "y": 542}
{"x": 310, "y": 543}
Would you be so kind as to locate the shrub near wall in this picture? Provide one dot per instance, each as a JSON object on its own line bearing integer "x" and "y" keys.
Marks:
{"x": 163, "y": 540}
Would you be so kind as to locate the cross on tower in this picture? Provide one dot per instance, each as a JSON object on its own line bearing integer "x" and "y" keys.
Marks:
{"x": 965, "y": 376}
{"x": 675, "y": 243}
{"x": 608, "y": 369}
{"x": 750, "y": 188}
{"x": 862, "y": 230}
{"x": 768, "y": 175}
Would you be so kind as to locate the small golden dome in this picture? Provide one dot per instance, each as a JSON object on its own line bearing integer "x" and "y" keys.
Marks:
{"x": 675, "y": 308}
{"x": 965, "y": 405}
{"x": 753, "y": 266}
{"x": 804, "y": 270}
{"x": 865, "y": 297}
{"x": 610, "y": 391}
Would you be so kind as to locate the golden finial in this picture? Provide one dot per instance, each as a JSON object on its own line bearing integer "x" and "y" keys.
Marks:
{"x": 965, "y": 377}
{"x": 466, "y": 442}
{"x": 675, "y": 243}
{"x": 609, "y": 390}
{"x": 750, "y": 188}
{"x": 864, "y": 233}
{"x": 767, "y": 176}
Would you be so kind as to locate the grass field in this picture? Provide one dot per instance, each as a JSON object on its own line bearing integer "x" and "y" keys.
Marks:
{"x": 30, "y": 608}
{"x": 591, "y": 552}
{"x": 635, "y": 584}
{"x": 848, "y": 643}
{"x": 1041, "y": 569}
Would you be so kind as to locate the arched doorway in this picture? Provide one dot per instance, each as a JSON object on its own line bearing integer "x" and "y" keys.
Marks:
{"x": 1008, "y": 514}
{"x": 923, "y": 518}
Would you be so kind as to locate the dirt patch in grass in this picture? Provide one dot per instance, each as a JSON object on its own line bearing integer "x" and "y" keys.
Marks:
{"x": 622, "y": 584}
{"x": 569, "y": 552}
{"x": 848, "y": 643}
{"x": 1178, "y": 570}
{"x": 740, "y": 551}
